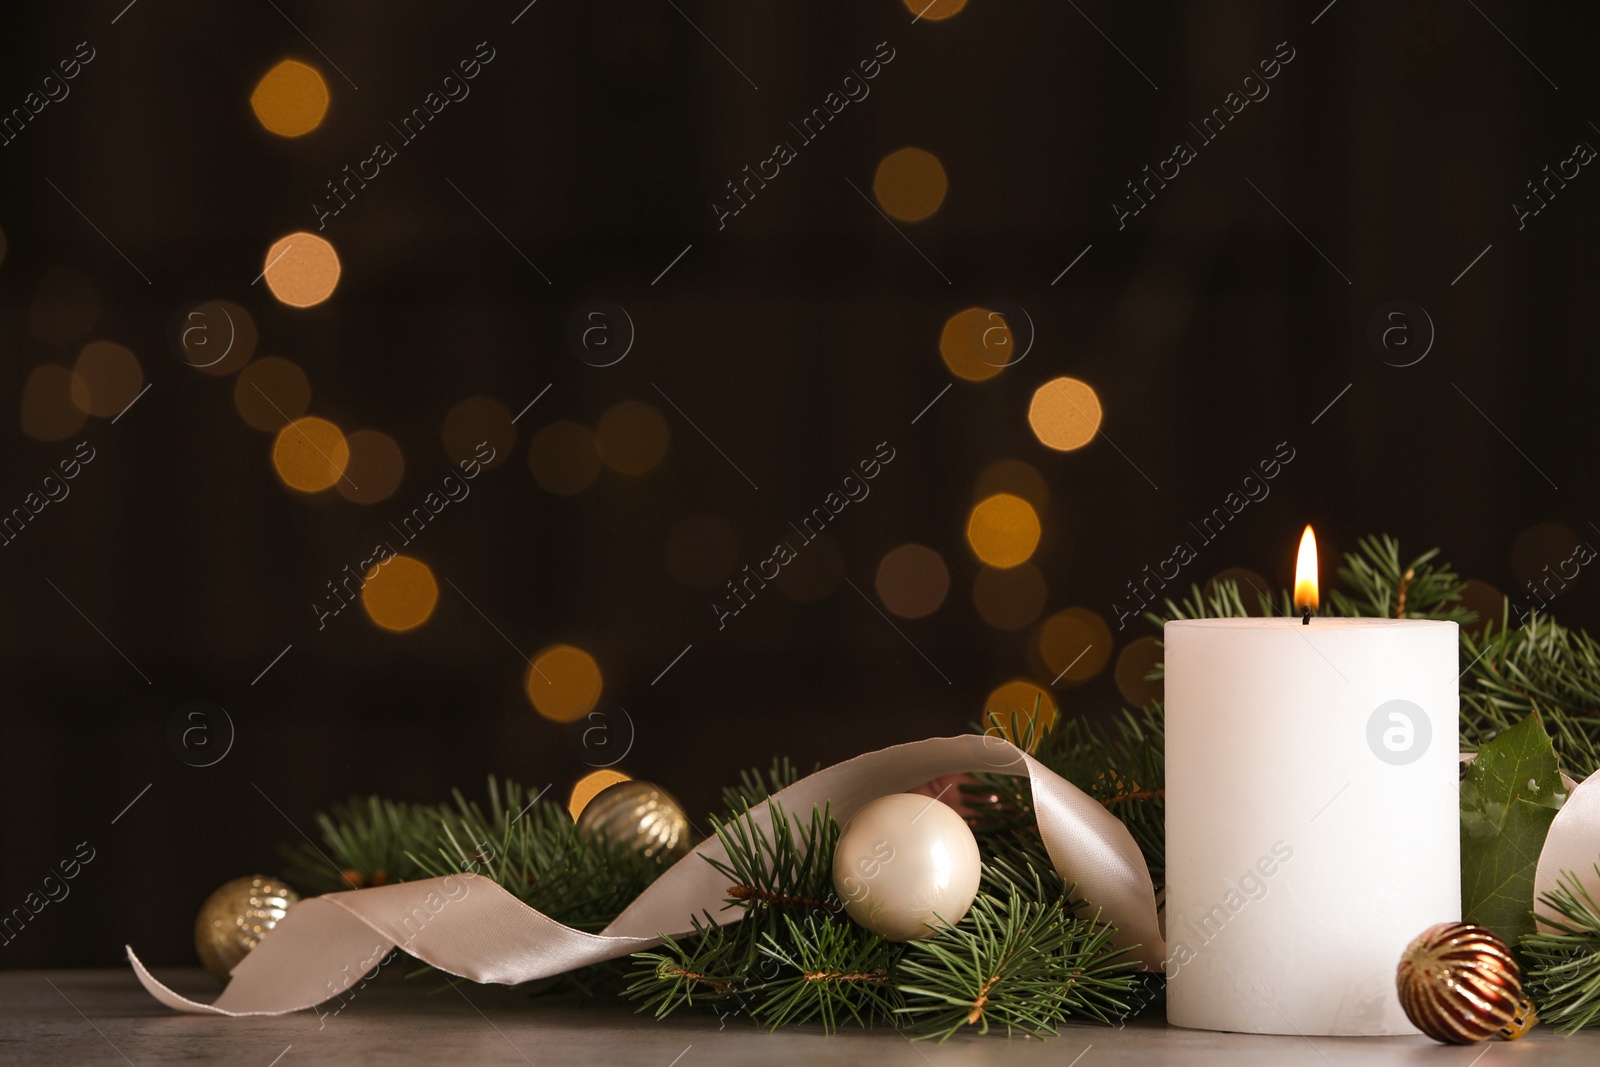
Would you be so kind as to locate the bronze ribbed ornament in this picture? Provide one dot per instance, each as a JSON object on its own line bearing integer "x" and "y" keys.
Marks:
{"x": 1459, "y": 984}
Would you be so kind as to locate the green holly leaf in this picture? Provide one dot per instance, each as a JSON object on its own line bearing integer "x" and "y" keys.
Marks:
{"x": 1509, "y": 796}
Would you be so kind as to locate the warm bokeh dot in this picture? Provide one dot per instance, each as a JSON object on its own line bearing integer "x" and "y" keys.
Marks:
{"x": 271, "y": 393}
{"x": 1010, "y": 598}
{"x": 64, "y": 307}
{"x": 1065, "y": 414}
{"x": 472, "y": 423}
{"x": 563, "y": 683}
{"x": 1016, "y": 706}
{"x": 590, "y": 786}
{"x": 1017, "y": 478}
{"x": 1487, "y": 602}
{"x": 633, "y": 437}
{"x": 912, "y": 581}
{"x": 106, "y": 378}
{"x": 48, "y": 413}
{"x": 290, "y": 99}
{"x": 1136, "y": 660}
{"x": 1544, "y": 544}
{"x": 976, "y": 343}
{"x": 910, "y": 184}
{"x": 935, "y": 10}
{"x": 310, "y": 454}
{"x": 1251, "y": 587}
{"x": 301, "y": 269}
{"x": 813, "y": 575}
{"x": 217, "y": 337}
{"x": 400, "y": 594}
{"x": 1075, "y": 645}
{"x": 702, "y": 551}
{"x": 564, "y": 457}
{"x": 1003, "y": 530}
{"x": 375, "y": 468}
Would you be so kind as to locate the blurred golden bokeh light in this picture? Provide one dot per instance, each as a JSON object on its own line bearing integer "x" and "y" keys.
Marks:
{"x": 1075, "y": 645}
{"x": 910, "y": 184}
{"x": 564, "y": 457}
{"x": 301, "y": 269}
{"x": 563, "y": 683}
{"x": 310, "y": 454}
{"x": 935, "y": 10}
{"x": 1486, "y": 601}
{"x": 217, "y": 337}
{"x": 290, "y": 99}
{"x": 702, "y": 551}
{"x": 375, "y": 468}
{"x": 912, "y": 581}
{"x": 1065, "y": 414}
{"x": 105, "y": 379}
{"x": 271, "y": 393}
{"x": 1010, "y": 598}
{"x": 1012, "y": 708}
{"x": 477, "y": 421}
{"x": 48, "y": 413}
{"x": 401, "y": 594}
{"x": 976, "y": 343}
{"x": 1003, "y": 530}
{"x": 1136, "y": 660}
{"x": 590, "y": 786}
{"x": 633, "y": 437}
{"x": 1017, "y": 478}
{"x": 64, "y": 307}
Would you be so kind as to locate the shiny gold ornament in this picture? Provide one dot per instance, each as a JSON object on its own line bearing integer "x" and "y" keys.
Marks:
{"x": 1459, "y": 984}
{"x": 638, "y": 816}
{"x": 236, "y": 917}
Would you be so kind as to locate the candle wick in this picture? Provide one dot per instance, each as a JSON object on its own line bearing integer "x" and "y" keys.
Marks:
{"x": 1305, "y": 618}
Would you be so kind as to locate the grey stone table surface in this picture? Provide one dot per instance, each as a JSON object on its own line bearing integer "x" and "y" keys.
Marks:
{"x": 104, "y": 1017}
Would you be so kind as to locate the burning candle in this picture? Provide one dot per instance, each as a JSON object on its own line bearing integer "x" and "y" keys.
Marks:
{"x": 1312, "y": 814}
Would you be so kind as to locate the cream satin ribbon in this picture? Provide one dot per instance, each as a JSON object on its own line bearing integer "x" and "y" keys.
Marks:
{"x": 1573, "y": 844}
{"x": 470, "y": 927}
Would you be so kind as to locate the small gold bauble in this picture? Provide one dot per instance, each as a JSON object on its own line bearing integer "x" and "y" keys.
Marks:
{"x": 1459, "y": 983}
{"x": 235, "y": 918}
{"x": 638, "y": 816}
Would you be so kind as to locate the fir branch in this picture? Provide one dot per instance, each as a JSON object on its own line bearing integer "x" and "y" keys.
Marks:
{"x": 1563, "y": 966}
{"x": 829, "y": 970}
{"x": 532, "y": 848}
{"x": 789, "y": 864}
{"x": 1377, "y": 585}
{"x": 698, "y": 969}
{"x": 1538, "y": 668}
{"x": 368, "y": 839}
{"x": 1023, "y": 966}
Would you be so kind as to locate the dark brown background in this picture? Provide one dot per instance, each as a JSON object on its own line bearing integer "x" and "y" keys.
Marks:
{"x": 798, "y": 338}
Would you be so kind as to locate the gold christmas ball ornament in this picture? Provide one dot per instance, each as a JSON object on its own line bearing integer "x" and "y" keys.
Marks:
{"x": 638, "y": 816}
{"x": 1459, "y": 983}
{"x": 235, "y": 918}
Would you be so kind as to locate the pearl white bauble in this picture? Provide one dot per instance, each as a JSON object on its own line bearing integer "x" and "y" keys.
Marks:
{"x": 905, "y": 862}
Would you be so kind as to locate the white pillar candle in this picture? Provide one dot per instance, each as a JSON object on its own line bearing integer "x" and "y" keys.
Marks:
{"x": 1313, "y": 823}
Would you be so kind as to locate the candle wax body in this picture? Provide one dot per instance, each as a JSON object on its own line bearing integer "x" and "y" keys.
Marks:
{"x": 1313, "y": 824}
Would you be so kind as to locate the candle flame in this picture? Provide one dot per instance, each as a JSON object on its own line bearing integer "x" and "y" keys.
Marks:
{"x": 1305, "y": 573}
